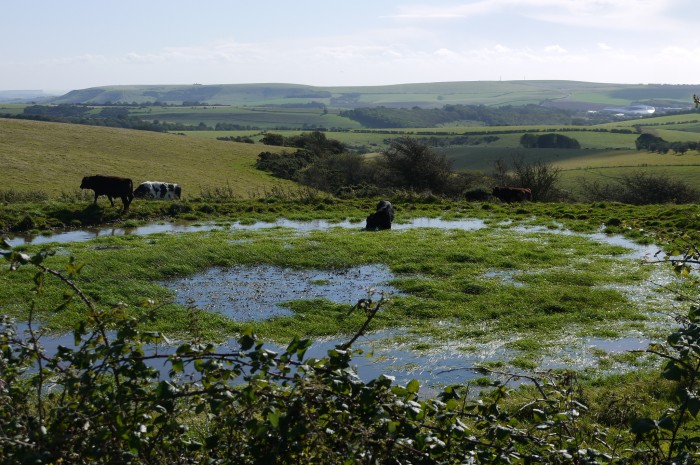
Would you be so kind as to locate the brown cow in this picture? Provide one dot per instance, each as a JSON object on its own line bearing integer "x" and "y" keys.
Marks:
{"x": 512, "y": 194}
{"x": 111, "y": 186}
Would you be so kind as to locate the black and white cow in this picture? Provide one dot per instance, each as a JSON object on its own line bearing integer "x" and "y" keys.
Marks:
{"x": 382, "y": 218}
{"x": 158, "y": 190}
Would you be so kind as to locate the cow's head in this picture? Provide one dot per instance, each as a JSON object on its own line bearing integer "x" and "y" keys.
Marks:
{"x": 142, "y": 190}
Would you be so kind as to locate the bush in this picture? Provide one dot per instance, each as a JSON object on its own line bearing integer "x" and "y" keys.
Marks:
{"x": 641, "y": 189}
{"x": 541, "y": 178}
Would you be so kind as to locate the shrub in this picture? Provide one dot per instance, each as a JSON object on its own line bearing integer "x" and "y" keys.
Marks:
{"x": 641, "y": 189}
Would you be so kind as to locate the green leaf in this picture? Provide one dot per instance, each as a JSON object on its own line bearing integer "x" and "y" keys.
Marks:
{"x": 392, "y": 426}
{"x": 667, "y": 423}
{"x": 539, "y": 415}
{"x": 178, "y": 366}
{"x": 644, "y": 425}
{"x": 274, "y": 418}
{"x": 452, "y": 405}
{"x": 673, "y": 372}
{"x": 413, "y": 386}
{"x": 247, "y": 339}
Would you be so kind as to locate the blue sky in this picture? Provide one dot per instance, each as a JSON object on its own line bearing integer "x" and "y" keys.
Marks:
{"x": 74, "y": 44}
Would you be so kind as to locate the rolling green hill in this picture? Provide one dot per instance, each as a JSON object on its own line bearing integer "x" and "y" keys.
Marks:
{"x": 564, "y": 94}
{"x": 53, "y": 158}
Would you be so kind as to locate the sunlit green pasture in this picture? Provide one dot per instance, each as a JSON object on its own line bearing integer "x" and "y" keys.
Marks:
{"x": 11, "y": 108}
{"x": 54, "y": 157}
{"x": 261, "y": 117}
{"x": 688, "y": 174}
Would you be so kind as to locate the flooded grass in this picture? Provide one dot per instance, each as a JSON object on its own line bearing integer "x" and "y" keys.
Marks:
{"x": 464, "y": 292}
{"x": 256, "y": 293}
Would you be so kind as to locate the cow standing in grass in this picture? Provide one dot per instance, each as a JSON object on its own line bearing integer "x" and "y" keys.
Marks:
{"x": 512, "y": 194}
{"x": 382, "y": 218}
{"x": 158, "y": 190}
{"x": 111, "y": 186}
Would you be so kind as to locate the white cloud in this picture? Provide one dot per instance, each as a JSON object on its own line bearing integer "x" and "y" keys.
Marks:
{"x": 444, "y": 52}
{"x": 555, "y": 49}
{"x": 609, "y": 14}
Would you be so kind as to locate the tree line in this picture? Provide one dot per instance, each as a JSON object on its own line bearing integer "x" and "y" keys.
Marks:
{"x": 383, "y": 117}
{"x": 412, "y": 165}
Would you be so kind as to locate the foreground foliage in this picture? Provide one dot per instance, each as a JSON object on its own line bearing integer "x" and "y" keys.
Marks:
{"x": 120, "y": 396}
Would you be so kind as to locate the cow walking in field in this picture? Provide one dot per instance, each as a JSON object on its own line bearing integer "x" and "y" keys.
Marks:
{"x": 512, "y": 194}
{"x": 158, "y": 190}
{"x": 111, "y": 186}
{"x": 382, "y": 218}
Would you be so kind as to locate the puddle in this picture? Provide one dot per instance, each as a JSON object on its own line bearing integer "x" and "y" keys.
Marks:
{"x": 505, "y": 277}
{"x": 256, "y": 292}
{"x": 87, "y": 234}
{"x": 635, "y": 251}
{"x": 447, "y": 364}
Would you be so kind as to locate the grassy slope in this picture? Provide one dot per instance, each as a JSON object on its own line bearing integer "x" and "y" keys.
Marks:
{"x": 424, "y": 94}
{"x": 257, "y": 117}
{"x": 53, "y": 158}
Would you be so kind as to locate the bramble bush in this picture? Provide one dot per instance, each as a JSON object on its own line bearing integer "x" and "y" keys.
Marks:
{"x": 108, "y": 401}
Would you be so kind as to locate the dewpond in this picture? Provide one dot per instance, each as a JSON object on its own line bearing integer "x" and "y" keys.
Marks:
{"x": 260, "y": 291}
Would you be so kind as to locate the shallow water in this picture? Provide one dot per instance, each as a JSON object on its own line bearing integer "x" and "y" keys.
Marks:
{"x": 256, "y": 292}
{"x": 448, "y": 363}
{"x": 442, "y": 366}
{"x": 87, "y": 234}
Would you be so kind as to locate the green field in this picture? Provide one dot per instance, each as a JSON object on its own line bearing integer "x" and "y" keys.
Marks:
{"x": 263, "y": 118}
{"x": 53, "y": 158}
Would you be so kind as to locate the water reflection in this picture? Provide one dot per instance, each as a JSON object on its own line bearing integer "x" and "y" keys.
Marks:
{"x": 256, "y": 292}
{"x": 87, "y": 234}
{"x": 443, "y": 365}
{"x": 449, "y": 363}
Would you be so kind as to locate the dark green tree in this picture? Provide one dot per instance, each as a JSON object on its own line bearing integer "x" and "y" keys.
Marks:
{"x": 273, "y": 139}
{"x": 413, "y": 165}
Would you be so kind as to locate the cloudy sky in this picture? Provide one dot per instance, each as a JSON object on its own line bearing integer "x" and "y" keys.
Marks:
{"x": 74, "y": 44}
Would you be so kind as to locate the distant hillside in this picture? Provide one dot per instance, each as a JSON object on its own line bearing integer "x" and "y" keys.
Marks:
{"x": 562, "y": 94}
{"x": 53, "y": 158}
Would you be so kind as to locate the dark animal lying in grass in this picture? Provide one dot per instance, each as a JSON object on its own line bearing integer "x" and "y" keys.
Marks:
{"x": 382, "y": 218}
{"x": 512, "y": 194}
{"x": 111, "y": 186}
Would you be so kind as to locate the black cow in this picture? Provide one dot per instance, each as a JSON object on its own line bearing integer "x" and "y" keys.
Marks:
{"x": 382, "y": 218}
{"x": 512, "y": 194}
{"x": 111, "y": 186}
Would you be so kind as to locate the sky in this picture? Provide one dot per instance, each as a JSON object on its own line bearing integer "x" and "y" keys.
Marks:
{"x": 57, "y": 46}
